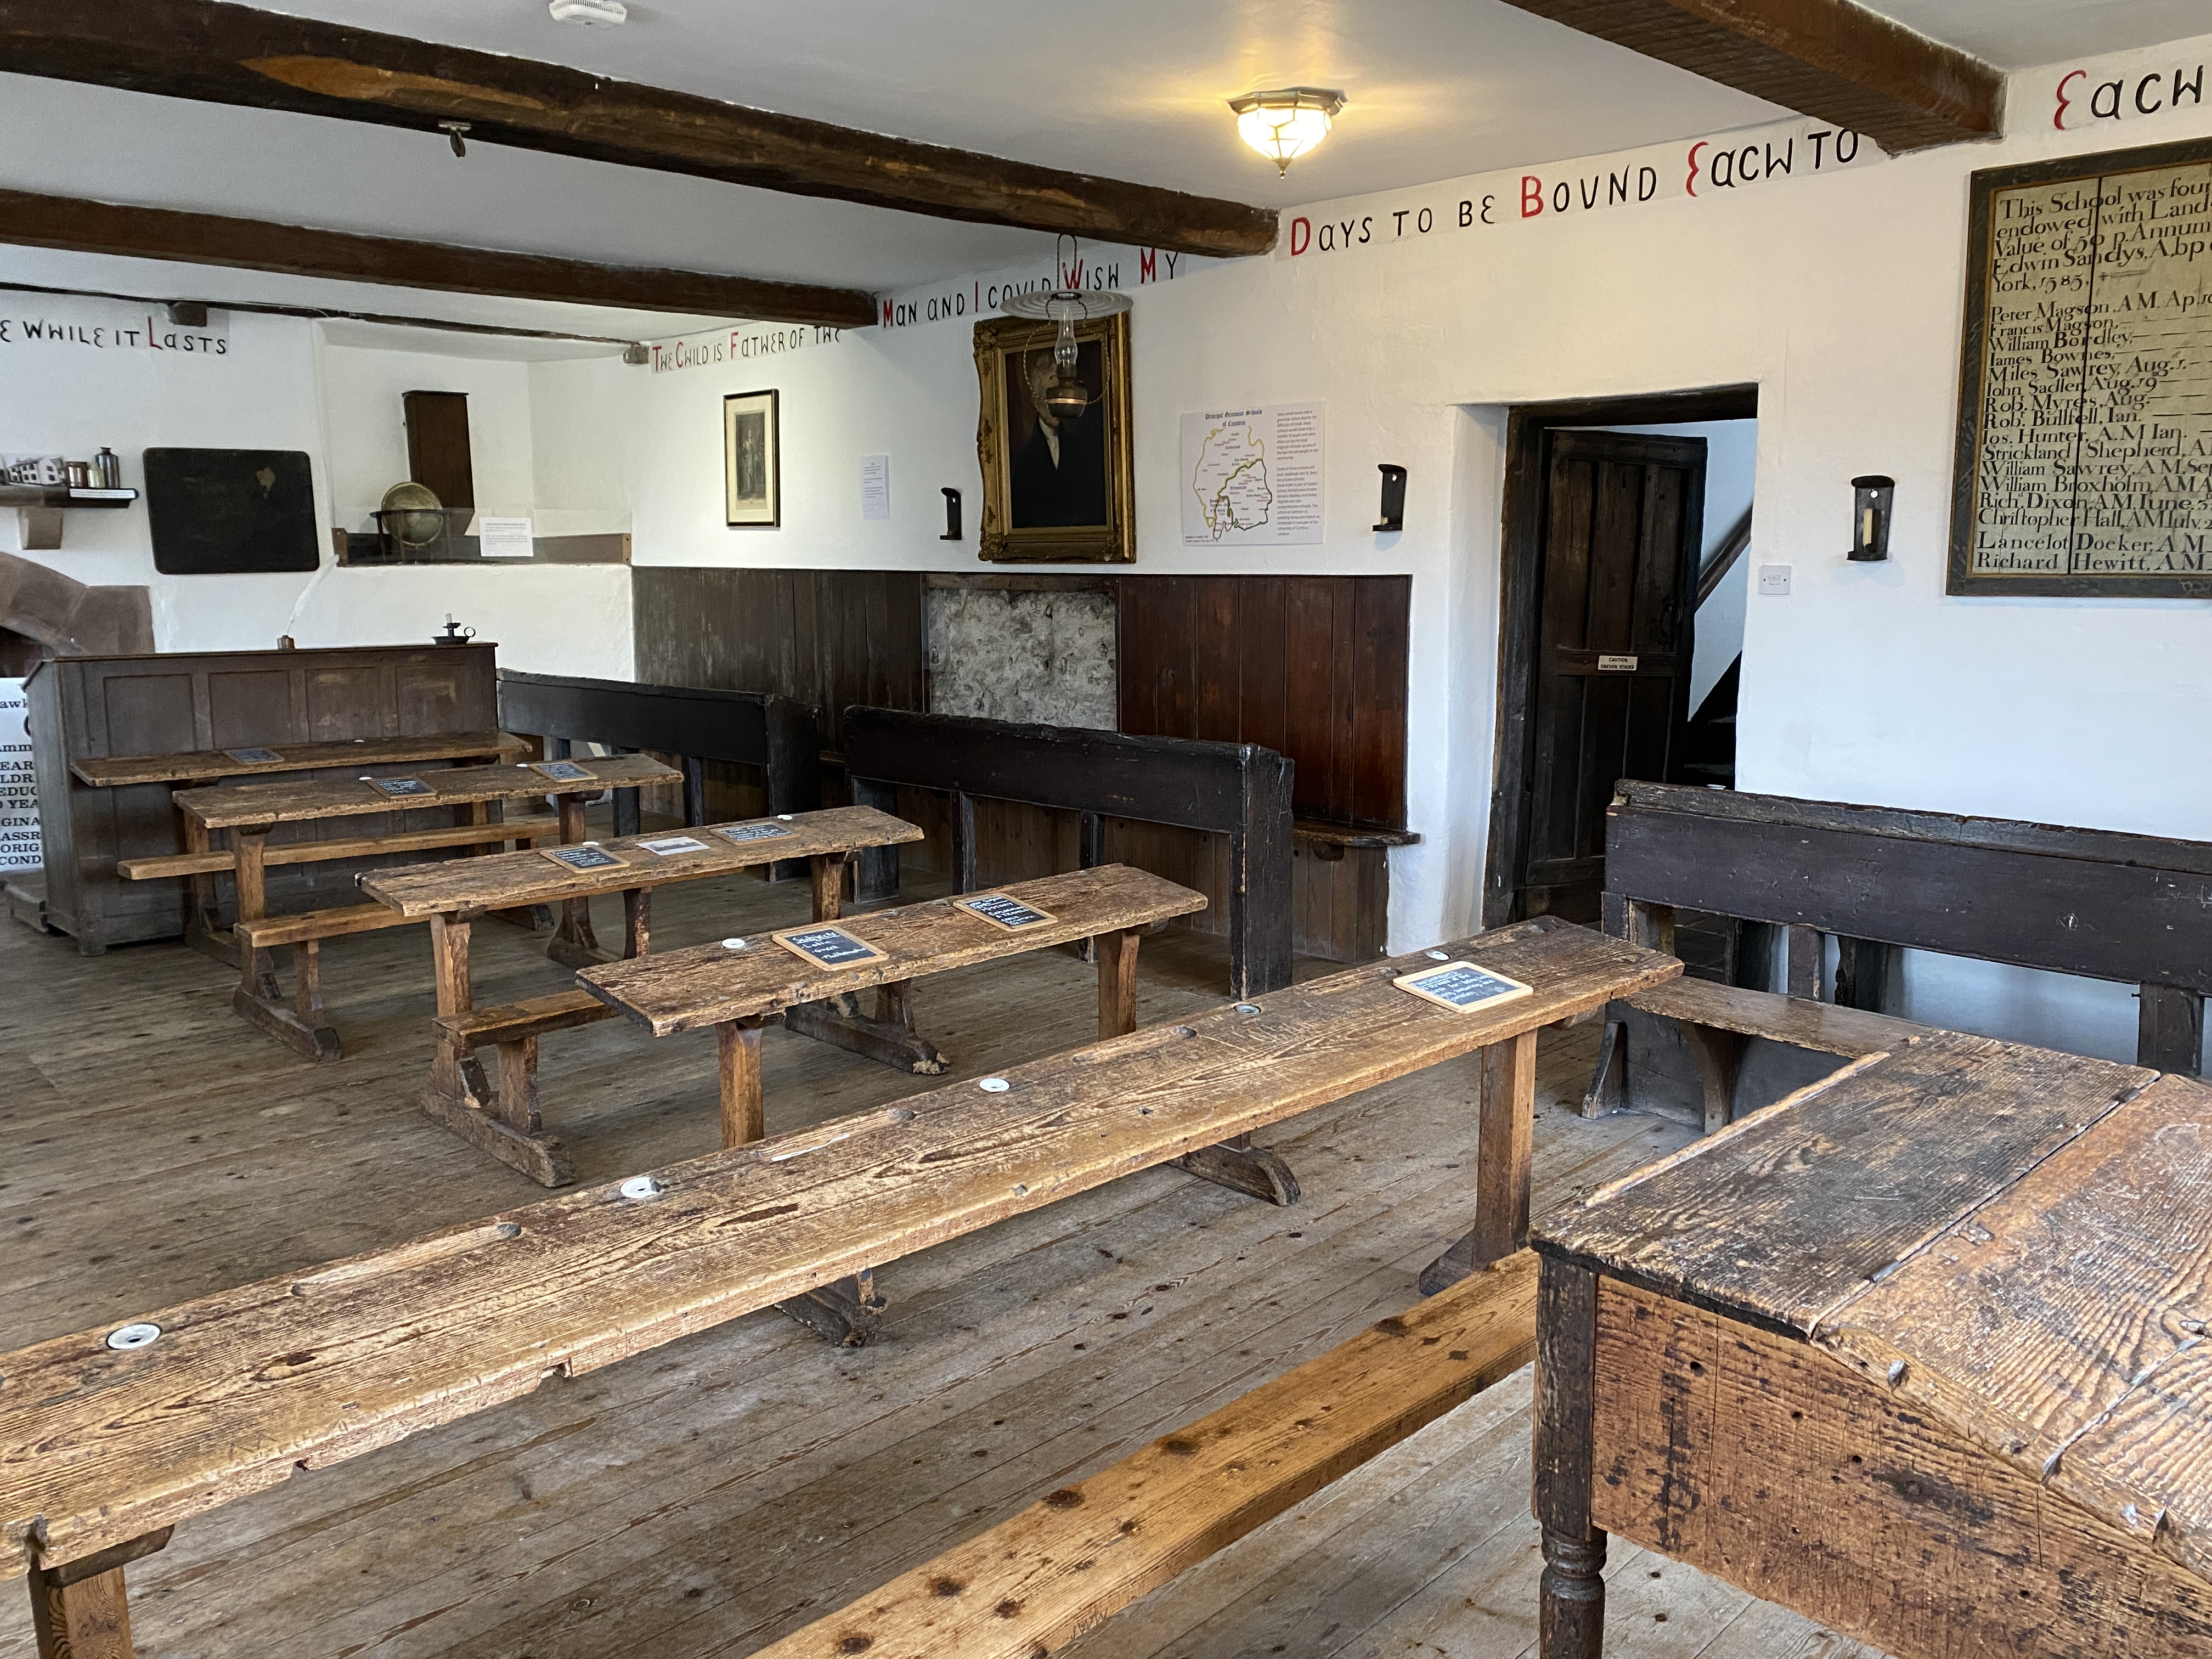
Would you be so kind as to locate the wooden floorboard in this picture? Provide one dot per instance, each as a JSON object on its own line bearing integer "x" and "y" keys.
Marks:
{"x": 720, "y": 1492}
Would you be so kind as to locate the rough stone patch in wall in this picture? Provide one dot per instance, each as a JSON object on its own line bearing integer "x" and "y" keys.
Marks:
{"x": 1044, "y": 656}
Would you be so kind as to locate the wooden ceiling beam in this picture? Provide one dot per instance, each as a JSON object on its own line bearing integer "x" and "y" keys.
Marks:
{"x": 207, "y": 239}
{"x": 1827, "y": 58}
{"x": 234, "y": 54}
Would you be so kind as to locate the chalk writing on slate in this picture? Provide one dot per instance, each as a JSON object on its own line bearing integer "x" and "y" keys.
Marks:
{"x": 669, "y": 846}
{"x": 742, "y": 833}
{"x": 581, "y": 858}
{"x": 253, "y": 756}
{"x": 1010, "y": 914}
{"x": 563, "y": 771}
{"x": 827, "y": 947}
{"x": 398, "y": 787}
{"x": 1461, "y": 986}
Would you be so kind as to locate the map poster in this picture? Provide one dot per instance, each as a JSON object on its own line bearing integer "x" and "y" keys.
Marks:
{"x": 2085, "y": 409}
{"x": 1252, "y": 476}
{"x": 19, "y": 785}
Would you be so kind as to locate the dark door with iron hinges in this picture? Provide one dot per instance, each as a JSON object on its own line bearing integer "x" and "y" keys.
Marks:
{"x": 1622, "y": 526}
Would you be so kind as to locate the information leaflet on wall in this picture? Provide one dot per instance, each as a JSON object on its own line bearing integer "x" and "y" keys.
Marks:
{"x": 20, "y": 847}
{"x": 1252, "y": 477}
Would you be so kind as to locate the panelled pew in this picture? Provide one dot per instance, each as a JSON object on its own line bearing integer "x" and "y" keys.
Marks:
{"x": 2095, "y": 902}
{"x": 111, "y": 1437}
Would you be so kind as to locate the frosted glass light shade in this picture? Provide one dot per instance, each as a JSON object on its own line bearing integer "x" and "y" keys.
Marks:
{"x": 1284, "y": 125}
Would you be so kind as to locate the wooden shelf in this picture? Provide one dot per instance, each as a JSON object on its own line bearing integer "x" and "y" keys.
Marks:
{"x": 38, "y": 509}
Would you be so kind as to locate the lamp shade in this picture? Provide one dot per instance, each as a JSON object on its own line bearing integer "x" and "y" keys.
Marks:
{"x": 1286, "y": 124}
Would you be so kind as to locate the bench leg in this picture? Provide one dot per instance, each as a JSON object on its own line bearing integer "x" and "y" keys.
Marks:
{"x": 1719, "y": 1055}
{"x": 509, "y": 1127}
{"x": 890, "y": 1038}
{"x": 1236, "y": 1164}
{"x": 737, "y": 1046}
{"x": 79, "y": 1610}
{"x": 847, "y": 1311}
{"x": 1608, "y": 1085}
{"x": 1504, "y": 1147}
{"x": 303, "y": 1026}
{"x": 1572, "y": 1597}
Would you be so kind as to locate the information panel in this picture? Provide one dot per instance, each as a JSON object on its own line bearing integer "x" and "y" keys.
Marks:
{"x": 2085, "y": 421}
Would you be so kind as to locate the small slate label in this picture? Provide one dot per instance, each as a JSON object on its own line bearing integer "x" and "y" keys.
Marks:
{"x": 1606, "y": 664}
{"x": 1461, "y": 986}
{"x": 580, "y": 858}
{"x": 669, "y": 846}
{"x": 398, "y": 787}
{"x": 828, "y": 947}
{"x": 253, "y": 756}
{"x": 1010, "y": 914}
{"x": 563, "y": 771}
{"x": 742, "y": 833}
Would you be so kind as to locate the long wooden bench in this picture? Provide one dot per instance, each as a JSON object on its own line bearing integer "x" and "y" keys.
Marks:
{"x": 251, "y": 811}
{"x": 111, "y": 1435}
{"x": 1035, "y": 1581}
{"x": 212, "y": 862}
{"x": 2093, "y": 902}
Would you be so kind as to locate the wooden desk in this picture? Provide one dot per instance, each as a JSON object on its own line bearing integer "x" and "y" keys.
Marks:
{"x": 250, "y": 811}
{"x": 208, "y": 765}
{"x": 1917, "y": 1352}
{"x": 505, "y": 1121}
{"x": 737, "y": 991}
{"x": 101, "y": 1450}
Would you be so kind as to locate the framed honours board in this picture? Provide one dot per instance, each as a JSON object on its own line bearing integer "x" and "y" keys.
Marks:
{"x": 2085, "y": 401}
{"x": 828, "y": 947}
{"x": 1001, "y": 911}
{"x": 1461, "y": 986}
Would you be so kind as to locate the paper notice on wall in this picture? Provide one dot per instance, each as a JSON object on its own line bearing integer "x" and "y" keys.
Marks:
{"x": 504, "y": 539}
{"x": 875, "y": 486}
{"x": 1252, "y": 476}
{"x": 19, "y": 784}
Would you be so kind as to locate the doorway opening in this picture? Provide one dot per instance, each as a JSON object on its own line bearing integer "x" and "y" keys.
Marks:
{"x": 1621, "y": 626}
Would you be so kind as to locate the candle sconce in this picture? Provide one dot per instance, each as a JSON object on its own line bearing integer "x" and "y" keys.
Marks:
{"x": 1394, "y": 496}
{"x": 1871, "y": 500}
{"x": 952, "y": 513}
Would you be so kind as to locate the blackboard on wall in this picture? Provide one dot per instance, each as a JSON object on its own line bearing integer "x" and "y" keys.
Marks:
{"x": 215, "y": 511}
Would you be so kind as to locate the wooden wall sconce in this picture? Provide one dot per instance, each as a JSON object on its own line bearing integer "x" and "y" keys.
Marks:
{"x": 1394, "y": 496}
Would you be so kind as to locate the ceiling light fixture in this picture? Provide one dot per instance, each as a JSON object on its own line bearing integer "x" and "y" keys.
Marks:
{"x": 591, "y": 13}
{"x": 1284, "y": 125}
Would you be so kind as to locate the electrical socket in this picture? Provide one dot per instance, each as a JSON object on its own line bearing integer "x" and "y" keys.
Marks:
{"x": 1774, "y": 581}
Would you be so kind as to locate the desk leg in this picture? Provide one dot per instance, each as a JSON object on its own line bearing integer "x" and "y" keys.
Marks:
{"x": 78, "y": 1610}
{"x": 828, "y": 871}
{"x": 574, "y": 945}
{"x": 1571, "y": 1614}
{"x": 258, "y": 1000}
{"x": 503, "y": 1121}
{"x": 637, "y": 923}
{"x": 203, "y": 928}
{"x": 744, "y": 1118}
{"x": 890, "y": 1038}
{"x": 1236, "y": 1163}
{"x": 1505, "y": 1141}
{"x": 1116, "y": 955}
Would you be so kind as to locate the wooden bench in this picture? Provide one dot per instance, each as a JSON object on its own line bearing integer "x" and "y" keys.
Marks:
{"x": 102, "y": 1448}
{"x": 1035, "y": 1581}
{"x": 250, "y": 812}
{"x": 504, "y": 1119}
{"x": 1235, "y": 789}
{"x": 1917, "y": 1352}
{"x": 2094, "y": 903}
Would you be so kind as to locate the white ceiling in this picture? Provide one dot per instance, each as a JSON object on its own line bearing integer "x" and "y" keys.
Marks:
{"x": 1133, "y": 89}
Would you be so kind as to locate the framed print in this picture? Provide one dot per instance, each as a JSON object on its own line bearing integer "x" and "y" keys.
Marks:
{"x": 2082, "y": 415}
{"x": 752, "y": 487}
{"x": 1054, "y": 490}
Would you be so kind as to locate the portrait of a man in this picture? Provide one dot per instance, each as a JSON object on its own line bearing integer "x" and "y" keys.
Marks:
{"x": 1057, "y": 474}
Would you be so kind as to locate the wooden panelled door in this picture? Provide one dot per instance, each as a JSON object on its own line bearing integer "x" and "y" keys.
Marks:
{"x": 1609, "y": 678}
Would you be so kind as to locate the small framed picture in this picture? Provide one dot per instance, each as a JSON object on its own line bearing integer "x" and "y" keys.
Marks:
{"x": 399, "y": 788}
{"x": 828, "y": 947}
{"x": 751, "y": 460}
{"x": 563, "y": 771}
{"x": 586, "y": 857}
{"x": 744, "y": 833}
{"x": 668, "y": 847}
{"x": 1001, "y": 911}
{"x": 1462, "y": 986}
{"x": 253, "y": 756}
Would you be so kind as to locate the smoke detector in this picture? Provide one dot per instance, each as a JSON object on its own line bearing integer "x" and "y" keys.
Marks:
{"x": 591, "y": 13}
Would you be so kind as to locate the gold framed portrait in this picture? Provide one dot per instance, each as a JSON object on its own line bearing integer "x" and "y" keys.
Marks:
{"x": 752, "y": 464}
{"x": 1056, "y": 489}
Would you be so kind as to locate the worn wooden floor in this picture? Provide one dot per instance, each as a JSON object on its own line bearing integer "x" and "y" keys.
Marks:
{"x": 709, "y": 1496}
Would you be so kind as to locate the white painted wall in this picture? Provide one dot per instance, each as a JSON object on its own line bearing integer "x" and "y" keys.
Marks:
{"x": 275, "y": 386}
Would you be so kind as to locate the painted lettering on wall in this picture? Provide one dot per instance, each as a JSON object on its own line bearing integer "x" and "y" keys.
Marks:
{"x": 1719, "y": 167}
{"x": 2127, "y": 86}
{"x": 148, "y": 334}
{"x": 735, "y": 345}
{"x": 1074, "y": 267}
